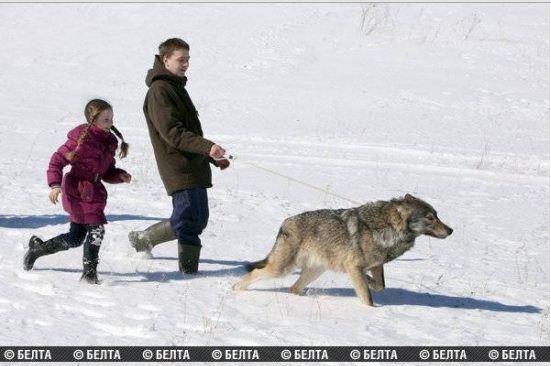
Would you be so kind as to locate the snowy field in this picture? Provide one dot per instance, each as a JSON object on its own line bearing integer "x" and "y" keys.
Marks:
{"x": 449, "y": 102}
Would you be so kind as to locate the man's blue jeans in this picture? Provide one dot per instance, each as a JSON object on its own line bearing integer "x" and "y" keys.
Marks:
{"x": 190, "y": 214}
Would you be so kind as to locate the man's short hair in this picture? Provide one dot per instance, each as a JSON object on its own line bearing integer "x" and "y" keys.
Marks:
{"x": 170, "y": 45}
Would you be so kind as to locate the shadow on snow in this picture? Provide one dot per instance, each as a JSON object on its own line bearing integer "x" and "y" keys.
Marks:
{"x": 400, "y": 296}
{"x": 37, "y": 221}
{"x": 166, "y": 276}
{"x": 389, "y": 296}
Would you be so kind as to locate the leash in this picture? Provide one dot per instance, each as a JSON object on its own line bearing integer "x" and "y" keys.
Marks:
{"x": 234, "y": 158}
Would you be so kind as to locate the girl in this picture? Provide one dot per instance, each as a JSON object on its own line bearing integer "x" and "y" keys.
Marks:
{"x": 90, "y": 150}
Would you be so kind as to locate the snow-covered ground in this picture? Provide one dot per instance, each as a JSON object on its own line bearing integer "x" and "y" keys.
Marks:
{"x": 449, "y": 102}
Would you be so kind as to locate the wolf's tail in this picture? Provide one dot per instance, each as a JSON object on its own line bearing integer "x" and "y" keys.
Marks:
{"x": 257, "y": 265}
{"x": 281, "y": 235}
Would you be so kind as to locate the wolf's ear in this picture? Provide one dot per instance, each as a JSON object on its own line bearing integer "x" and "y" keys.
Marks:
{"x": 403, "y": 211}
{"x": 409, "y": 197}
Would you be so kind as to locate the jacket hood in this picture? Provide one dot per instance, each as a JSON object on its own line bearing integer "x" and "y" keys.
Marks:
{"x": 159, "y": 71}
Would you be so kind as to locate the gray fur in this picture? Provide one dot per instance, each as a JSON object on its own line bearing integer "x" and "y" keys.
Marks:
{"x": 351, "y": 240}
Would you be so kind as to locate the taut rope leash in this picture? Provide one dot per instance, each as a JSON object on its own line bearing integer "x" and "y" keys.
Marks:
{"x": 233, "y": 158}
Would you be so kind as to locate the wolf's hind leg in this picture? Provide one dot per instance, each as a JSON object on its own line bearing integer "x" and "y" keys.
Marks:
{"x": 377, "y": 281}
{"x": 253, "y": 276}
{"x": 359, "y": 281}
{"x": 270, "y": 271}
{"x": 279, "y": 262}
{"x": 307, "y": 276}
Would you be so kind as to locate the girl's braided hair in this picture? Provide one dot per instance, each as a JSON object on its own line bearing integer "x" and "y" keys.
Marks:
{"x": 91, "y": 112}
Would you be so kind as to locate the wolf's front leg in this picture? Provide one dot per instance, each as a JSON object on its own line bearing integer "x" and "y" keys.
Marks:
{"x": 377, "y": 281}
{"x": 359, "y": 281}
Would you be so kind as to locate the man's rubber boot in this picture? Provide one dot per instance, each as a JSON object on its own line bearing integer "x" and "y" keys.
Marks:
{"x": 39, "y": 248}
{"x": 158, "y": 233}
{"x": 188, "y": 257}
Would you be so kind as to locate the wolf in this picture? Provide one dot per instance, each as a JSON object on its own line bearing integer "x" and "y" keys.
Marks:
{"x": 352, "y": 240}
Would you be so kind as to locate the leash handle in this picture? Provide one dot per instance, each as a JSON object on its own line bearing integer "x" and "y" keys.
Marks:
{"x": 229, "y": 157}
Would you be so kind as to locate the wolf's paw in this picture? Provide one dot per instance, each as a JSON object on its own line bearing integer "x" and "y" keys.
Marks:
{"x": 369, "y": 303}
{"x": 238, "y": 287}
{"x": 376, "y": 287}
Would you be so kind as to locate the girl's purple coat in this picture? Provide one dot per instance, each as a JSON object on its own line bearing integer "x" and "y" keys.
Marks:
{"x": 83, "y": 195}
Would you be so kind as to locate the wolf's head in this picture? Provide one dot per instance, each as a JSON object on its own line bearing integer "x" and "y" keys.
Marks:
{"x": 422, "y": 218}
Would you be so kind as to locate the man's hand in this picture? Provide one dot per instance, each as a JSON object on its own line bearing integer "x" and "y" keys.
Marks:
{"x": 54, "y": 195}
{"x": 216, "y": 152}
{"x": 222, "y": 163}
{"x": 125, "y": 177}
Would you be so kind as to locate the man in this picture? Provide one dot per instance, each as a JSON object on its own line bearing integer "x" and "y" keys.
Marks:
{"x": 182, "y": 153}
